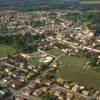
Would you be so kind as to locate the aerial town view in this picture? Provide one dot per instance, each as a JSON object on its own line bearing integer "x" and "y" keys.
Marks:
{"x": 49, "y": 49}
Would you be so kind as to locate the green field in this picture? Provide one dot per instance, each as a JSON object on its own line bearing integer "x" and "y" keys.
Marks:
{"x": 36, "y": 98}
{"x": 35, "y": 61}
{"x": 5, "y": 49}
{"x": 71, "y": 69}
{"x": 55, "y": 52}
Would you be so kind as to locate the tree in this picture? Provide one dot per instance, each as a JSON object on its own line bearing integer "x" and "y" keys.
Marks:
{"x": 94, "y": 59}
{"x": 48, "y": 96}
{"x": 3, "y": 28}
{"x": 50, "y": 75}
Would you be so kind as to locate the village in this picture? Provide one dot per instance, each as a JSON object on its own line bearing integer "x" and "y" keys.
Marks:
{"x": 53, "y": 70}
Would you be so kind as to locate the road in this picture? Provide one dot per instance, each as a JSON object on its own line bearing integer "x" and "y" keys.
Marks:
{"x": 57, "y": 58}
{"x": 17, "y": 67}
{"x": 3, "y": 60}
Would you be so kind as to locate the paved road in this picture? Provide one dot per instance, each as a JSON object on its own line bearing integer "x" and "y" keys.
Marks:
{"x": 17, "y": 67}
{"x": 3, "y": 60}
{"x": 57, "y": 58}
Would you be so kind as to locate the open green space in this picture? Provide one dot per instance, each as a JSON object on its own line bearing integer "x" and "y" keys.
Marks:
{"x": 71, "y": 68}
{"x": 36, "y": 98}
{"x": 38, "y": 60}
{"x": 6, "y": 49}
{"x": 35, "y": 61}
{"x": 55, "y": 51}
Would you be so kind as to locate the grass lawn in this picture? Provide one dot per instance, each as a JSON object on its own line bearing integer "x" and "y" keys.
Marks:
{"x": 71, "y": 69}
{"x": 55, "y": 52}
{"x": 36, "y": 98}
{"x": 35, "y": 61}
{"x": 5, "y": 49}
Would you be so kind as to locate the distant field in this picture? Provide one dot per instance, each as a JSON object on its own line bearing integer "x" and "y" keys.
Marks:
{"x": 5, "y": 49}
{"x": 71, "y": 69}
{"x": 90, "y": 1}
